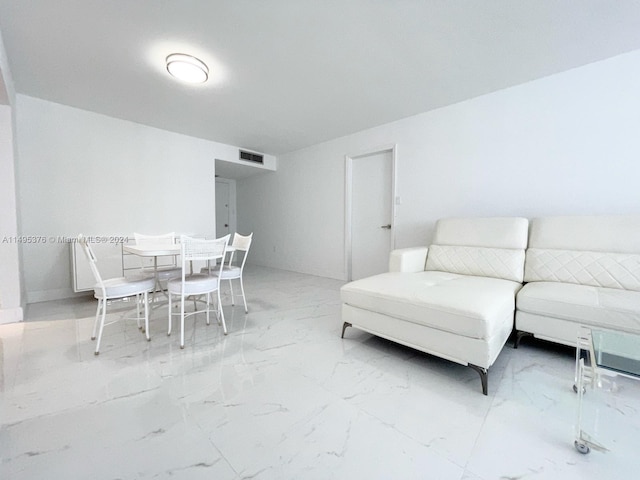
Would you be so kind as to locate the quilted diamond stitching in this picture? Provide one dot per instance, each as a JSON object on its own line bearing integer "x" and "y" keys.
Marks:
{"x": 485, "y": 262}
{"x": 598, "y": 269}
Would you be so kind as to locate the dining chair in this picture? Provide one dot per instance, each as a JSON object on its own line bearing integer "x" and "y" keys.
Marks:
{"x": 116, "y": 289}
{"x": 197, "y": 284}
{"x": 241, "y": 243}
{"x": 163, "y": 273}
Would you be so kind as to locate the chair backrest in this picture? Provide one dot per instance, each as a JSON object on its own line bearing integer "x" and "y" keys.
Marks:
{"x": 485, "y": 247}
{"x": 164, "y": 239}
{"x": 201, "y": 249}
{"x": 241, "y": 243}
{"x": 88, "y": 251}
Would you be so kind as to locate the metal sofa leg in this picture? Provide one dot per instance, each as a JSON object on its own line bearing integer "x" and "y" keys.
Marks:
{"x": 519, "y": 336}
{"x": 344, "y": 327}
{"x": 484, "y": 377}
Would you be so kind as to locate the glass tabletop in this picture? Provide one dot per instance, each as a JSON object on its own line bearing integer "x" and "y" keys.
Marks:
{"x": 617, "y": 351}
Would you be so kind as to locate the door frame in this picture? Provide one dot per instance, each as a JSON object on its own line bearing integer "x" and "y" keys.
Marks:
{"x": 348, "y": 204}
{"x": 232, "y": 203}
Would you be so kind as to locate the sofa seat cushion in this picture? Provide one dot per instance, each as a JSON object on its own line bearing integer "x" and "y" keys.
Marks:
{"x": 466, "y": 305}
{"x": 604, "y": 307}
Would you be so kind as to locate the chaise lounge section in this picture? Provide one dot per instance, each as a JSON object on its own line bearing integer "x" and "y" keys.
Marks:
{"x": 454, "y": 300}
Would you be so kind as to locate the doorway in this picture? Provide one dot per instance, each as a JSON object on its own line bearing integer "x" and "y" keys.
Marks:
{"x": 225, "y": 206}
{"x": 370, "y": 211}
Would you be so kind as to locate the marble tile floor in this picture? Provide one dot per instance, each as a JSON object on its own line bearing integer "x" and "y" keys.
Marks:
{"x": 284, "y": 397}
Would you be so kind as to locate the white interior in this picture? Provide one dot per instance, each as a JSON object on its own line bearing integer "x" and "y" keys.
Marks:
{"x": 284, "y": 75}
{"x": 103, "y": 176}
{"x": 11, "y": 300}
{"x": 565, "y": 144}
{"x": 282, "y": 396}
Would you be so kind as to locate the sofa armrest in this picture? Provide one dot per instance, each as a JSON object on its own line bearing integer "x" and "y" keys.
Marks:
{"x": 408, "y": 260}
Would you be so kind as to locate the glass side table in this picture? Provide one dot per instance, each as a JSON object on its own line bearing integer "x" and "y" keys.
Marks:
{"x": 609, "y": 354}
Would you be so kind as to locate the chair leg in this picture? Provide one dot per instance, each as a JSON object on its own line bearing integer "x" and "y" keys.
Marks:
{"x": 95, "y": 323}
{"x": 181, "y": 321}
{"x": 208, "y": 296}
{"x": 219, "y": 303}
{"x": 146, "y": 316}
{"x": 138, "y": 311}
{"x": 244, "y": 299}
{"x": 231, "y": 292}
{"x": 224, "y": 325}
{"x": 104, "y": 314}
{"x": 170, "y": 306}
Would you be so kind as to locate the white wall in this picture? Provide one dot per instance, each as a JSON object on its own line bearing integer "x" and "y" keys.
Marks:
{"x": 10, "y": 298}
{"x": 10, "y": 281}
{"x": 7, "y": 89}
{"x": 565, "y": 144}
{"x": 80, "y": 172}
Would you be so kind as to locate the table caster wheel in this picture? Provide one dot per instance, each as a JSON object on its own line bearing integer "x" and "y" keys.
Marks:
{"x": 575, "y": 389}
{"x": 581, "y": 447}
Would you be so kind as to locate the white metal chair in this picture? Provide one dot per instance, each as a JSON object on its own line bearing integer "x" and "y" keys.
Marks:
{"x": 163, "y": 272}
{"x": 241, "y": 243}
{"x": 197, "y": 284}
{"x": 114, "y": 289}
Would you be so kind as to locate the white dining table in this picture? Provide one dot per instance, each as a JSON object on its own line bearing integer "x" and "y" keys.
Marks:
{"x": 153, "y": 250}
{"x": 159, "y": 250}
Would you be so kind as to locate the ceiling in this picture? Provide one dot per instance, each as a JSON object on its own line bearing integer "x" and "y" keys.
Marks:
{"x": 286, "y": 74}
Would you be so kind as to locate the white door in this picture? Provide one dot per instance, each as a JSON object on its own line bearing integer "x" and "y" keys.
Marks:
{"x": 223, "y": 219}
{"x": 371, "y": 213}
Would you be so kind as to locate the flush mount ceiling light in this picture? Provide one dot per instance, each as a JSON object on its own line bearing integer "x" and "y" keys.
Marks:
{"x": 187, "y": 68}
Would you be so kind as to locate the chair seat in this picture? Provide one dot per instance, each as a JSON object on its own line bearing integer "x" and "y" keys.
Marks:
{"x": 228, "y": 272}
{"x": 125, "y": 287}
{"x": 195, "y": 284}
{"x": 169, "y": 273}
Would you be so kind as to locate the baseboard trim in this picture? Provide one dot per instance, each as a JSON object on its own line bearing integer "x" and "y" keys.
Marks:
{"x": 53, "y": 294}
{"x": 11, "y": 315}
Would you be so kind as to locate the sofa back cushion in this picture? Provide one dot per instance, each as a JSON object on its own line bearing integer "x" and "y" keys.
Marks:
{"x": 486, "y": 247}
{"x": 599, "y": 251}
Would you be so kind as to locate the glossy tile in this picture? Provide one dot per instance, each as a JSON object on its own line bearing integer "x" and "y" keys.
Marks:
{"x": 284, "y": 397}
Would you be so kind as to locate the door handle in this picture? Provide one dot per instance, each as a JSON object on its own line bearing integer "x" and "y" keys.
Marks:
{"x": 388, "y": 227}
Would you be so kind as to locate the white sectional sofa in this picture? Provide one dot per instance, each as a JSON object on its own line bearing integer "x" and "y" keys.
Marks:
{"x": 455, "y": 299}
{"x": 580, "y": 271}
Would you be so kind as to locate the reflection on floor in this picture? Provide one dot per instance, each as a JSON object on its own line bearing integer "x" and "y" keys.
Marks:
{"x": 284, "y": 397}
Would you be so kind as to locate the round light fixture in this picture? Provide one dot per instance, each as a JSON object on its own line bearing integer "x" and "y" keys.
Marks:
{"x": 187, "y": 68}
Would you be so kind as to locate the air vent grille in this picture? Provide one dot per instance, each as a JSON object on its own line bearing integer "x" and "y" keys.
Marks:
{"x": 251, "y": 157}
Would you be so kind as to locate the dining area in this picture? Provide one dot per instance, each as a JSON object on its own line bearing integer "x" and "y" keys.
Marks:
{"x": 179, "y": 277}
